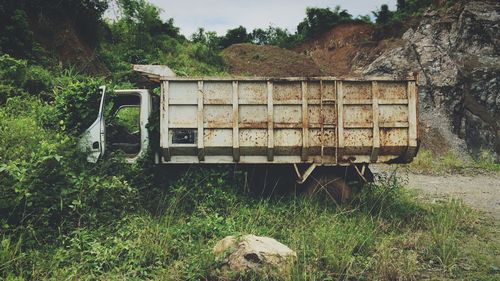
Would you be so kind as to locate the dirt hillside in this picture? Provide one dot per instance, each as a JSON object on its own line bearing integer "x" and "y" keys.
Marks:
{"x": 335, "y": 51}
{"x": 254, "y": 60}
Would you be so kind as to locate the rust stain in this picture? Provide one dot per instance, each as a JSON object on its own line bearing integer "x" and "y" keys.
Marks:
{"x": 303, "y": 114}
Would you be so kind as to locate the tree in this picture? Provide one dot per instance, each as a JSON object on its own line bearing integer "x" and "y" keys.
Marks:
{"x": 16, "y": 33}
{"x": 319, "y": 20}
{"x": 383, "y": 15}
{"x": 208, "y": 38}
{"x": 235, "y": 36}
{"x": 274, "y": 36}
{"x": 401, "y": 5}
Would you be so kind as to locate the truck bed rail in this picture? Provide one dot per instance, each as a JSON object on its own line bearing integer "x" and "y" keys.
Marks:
{"x": 322, "y": 120}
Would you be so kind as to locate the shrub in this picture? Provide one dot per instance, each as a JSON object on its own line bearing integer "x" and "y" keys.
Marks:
{"x": 46, "y": 184}
{"x": 77, "y": 103}
{"x": 39, "y": 82}
{"x": 13, "y": 71}
{"x": 18, "y": 78}
{"x": 320, "y": 20}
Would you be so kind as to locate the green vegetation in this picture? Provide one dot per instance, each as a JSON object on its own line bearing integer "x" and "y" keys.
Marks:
{"x": 316, "y": 22}
{"x": 17, "y": 33}
{"x": 320, "y": 20}
{"x": 383, "y": 234}
{"x": 139, "y": 36}
{"x": 429, "y": 163}
{"x": 62, "y": 218}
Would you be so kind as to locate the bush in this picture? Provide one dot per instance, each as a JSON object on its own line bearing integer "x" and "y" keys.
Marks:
{"x": 320, "y": 20}
{"x": 18, "y": 78}
{"x": 39, "y": 82}
{"x": 46, "y": 184}
{"x": 77, "y": 103}
{"x": 13, "y": 71}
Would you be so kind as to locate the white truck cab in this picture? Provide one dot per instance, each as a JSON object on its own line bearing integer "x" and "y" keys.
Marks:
{"x": 124, "y": 129}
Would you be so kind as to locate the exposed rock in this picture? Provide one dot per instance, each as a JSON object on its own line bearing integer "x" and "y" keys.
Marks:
{"x": 254, "y": 253}
{"x": 456, "y": 54}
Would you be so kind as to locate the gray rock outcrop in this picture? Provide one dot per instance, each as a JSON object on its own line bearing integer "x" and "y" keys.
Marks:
{"x": 456, "y": 54}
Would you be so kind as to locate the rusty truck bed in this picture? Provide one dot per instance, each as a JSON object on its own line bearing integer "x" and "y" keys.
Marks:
{"x": 322, "y": 120}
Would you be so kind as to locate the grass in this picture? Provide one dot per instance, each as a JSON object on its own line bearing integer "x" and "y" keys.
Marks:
{"x": 427, "y": 162}
{"x": 384, "y": 234}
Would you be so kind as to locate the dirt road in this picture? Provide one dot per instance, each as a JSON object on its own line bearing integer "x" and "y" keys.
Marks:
{"x": 480, "y": 191}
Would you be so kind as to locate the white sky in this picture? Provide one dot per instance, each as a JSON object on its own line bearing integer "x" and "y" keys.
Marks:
{"x": 221, "y": 15}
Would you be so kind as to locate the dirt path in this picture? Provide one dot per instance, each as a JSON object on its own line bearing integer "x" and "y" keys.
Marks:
{"x": 481, "y": 192}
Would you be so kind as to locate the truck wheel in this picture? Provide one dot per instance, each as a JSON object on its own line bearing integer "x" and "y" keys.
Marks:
{"x": 330, "y": 186}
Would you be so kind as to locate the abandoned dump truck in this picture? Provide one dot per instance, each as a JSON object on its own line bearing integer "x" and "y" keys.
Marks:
{"x": 300, "y": 122}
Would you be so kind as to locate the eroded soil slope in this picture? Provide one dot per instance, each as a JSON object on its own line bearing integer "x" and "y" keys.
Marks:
{"x": 345, "y": 49}
{"x": 253, "y": 60}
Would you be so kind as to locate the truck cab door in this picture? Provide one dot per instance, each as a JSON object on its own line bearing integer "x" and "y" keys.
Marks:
{"x": 93, "y": 140}
{"x": 127, "y": 133}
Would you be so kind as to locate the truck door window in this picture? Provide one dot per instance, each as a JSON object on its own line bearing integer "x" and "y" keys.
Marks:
{"x": 124, "y": 130}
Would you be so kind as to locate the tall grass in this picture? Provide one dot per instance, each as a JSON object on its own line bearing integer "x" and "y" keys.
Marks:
{"x": 384, "y": 234}
{"x": 429, "y": 163}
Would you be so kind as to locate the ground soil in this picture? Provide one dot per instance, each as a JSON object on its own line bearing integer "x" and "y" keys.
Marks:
{"x": 255, "y": 60}
{"x": 479, "y": 191}
{"x": 335, "y": 50}
{"x": 346, "y": 48}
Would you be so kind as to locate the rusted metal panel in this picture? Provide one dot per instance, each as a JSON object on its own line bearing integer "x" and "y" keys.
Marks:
{"x": 270, "y": 122}
{"x": 164, "y": 105}
{"x": 200, "y": 118}
{"x": 322, "y": 120}
{"x": 305, "y": 122}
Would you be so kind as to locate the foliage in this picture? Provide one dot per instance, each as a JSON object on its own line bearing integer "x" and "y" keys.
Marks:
{"x": 405, "y": 9}
{"x": 317, "y": 21}
{"x": 383, "y": 15}
{"x": 320, "y": 20}
{"x": 377, "y": 238}
{"x": 12, "y": 71}
{"x": 235, "y": 36}
{"x": 45, "y": 183}
{"x": 139, "y": 36}
{"x": 17, "y": 77}
{"x": 77, "y": 103}
{"x": 17, "y": 36}
{"x": 428, "y": 163}
{"x": 276, "y": 36}
{"x": 208, "y": 38}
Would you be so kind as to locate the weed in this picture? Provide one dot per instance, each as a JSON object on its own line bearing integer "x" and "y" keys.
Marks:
{"x": 383, "y": 234}
{"x": 428, "y": 163}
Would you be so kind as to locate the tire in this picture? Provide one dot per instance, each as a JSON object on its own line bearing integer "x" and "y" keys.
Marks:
{"x": 328, "y": 185}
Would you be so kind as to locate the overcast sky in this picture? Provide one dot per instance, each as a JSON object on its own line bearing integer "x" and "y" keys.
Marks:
{"x": 221, "y": 15}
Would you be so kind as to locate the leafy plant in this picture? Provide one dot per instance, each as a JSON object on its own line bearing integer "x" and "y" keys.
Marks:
{"x": 77, "y": 104}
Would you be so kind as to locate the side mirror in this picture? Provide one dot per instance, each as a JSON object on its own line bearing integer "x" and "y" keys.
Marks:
{"x": 93, "y": 139}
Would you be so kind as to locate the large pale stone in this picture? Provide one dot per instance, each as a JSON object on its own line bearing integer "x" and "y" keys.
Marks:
{"x": 250, "y": 252}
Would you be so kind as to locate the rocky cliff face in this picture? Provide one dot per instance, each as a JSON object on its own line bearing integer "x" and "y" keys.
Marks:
{"x": 457, "y": 56}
